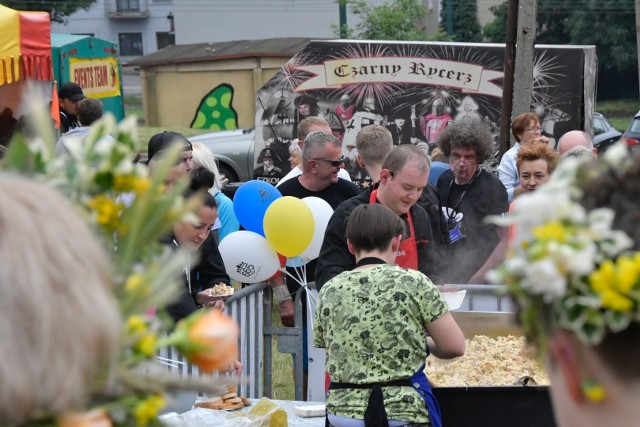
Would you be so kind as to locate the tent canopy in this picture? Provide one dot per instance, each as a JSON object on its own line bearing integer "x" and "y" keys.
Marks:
{"x": 25, "y": 46}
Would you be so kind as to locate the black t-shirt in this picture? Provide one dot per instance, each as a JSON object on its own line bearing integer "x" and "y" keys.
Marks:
{"x": 334, "y": 194}
{"x": 485, "y": 195}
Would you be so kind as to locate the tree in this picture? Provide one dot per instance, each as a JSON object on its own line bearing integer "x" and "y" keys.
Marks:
{"x": 398, "y": 20}
{"x": 464, "y": 19}
{"x": 58, "y": 10}
{"x": 496, "y": 30}
{"x": 607, "y": 24}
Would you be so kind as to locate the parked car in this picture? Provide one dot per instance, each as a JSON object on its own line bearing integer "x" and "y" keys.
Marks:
{"x": 604, "y": 135}
{"x": 632, "y": 135}
{"x": 233, "y": 150}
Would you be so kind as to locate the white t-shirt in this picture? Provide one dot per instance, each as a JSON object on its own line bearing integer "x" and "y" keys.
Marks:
{"x": 297, "y": 171}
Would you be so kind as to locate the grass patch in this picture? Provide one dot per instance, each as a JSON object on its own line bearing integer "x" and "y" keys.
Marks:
{"x": 620, "y": 123}
{"x": 619, "y": 112}
{"x": 282, "y": 366}
{"x": 619, "y": 108}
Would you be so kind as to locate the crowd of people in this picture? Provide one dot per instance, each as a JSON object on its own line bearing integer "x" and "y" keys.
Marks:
{"x": 389, "y": 248}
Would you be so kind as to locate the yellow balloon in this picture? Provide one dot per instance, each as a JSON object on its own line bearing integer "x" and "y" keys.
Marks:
{"x": 288, "y": 226}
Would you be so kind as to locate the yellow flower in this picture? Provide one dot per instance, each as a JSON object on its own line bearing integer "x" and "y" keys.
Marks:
{"x": 553, "y": 230}
{"x": 613, "y": 283}
{"x": 136, "y": 325}
{"x": 148, "y": 409}
{"x": 141, "y": 185}
{"x": 123, "y": 183}
{"x": 108, "y": 210}
{"x": 134, "y": 283}
{"x": 147, "y": 345}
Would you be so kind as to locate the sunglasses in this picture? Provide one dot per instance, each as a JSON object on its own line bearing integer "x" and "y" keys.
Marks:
{"x": 335, "y": 163}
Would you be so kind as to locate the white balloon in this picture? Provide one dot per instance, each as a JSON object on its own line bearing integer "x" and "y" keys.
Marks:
{"x": 322, "y": 212}
{"x": 248, "y": 257}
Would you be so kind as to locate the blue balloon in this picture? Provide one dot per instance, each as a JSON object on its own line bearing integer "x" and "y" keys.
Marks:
{"x": 251, "y": 202}
{"x": 296, "y": 261}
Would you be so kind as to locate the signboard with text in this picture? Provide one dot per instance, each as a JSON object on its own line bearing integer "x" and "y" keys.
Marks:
{"x": 98, "y": 77}
{"x": 415, "y": 89}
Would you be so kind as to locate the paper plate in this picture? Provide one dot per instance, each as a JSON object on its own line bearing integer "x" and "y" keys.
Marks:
{"x": 454, "y": 299}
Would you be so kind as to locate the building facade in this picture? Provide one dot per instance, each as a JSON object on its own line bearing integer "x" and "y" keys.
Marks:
{"x": 139, "y": 27}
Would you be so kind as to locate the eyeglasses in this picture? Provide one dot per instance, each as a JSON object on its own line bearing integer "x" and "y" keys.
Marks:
{"x": 335, "y": 163}
{"x": 456, "y": 158}
{"x": 536, "y": 129}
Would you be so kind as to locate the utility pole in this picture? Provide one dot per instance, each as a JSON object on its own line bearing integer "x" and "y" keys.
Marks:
{"x": 509, "y": 68}
{"x": 638, "y": 35}
{"x": 523, "y": 80}
{"x": 342, "y": 4}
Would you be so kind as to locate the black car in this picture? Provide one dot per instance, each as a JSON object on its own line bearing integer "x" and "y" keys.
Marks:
{"x": 632, "y": 135}
{"x": 604, "y": 135}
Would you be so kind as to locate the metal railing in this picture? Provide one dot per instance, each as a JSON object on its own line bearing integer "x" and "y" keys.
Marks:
{"x": 251, "y": 308}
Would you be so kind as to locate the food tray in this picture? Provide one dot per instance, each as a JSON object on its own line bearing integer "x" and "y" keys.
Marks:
{"x": 491, "y": 324}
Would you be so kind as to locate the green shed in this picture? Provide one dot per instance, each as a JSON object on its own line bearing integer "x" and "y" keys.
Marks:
{"x": 92, "y": 63}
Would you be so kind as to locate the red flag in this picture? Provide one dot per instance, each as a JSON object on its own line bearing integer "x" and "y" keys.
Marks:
{"x": 55, "y": 105}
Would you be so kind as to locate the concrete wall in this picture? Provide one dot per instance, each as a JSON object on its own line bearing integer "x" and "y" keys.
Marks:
{"x": 172, "y": 93}
{"x": 198, "y": 21}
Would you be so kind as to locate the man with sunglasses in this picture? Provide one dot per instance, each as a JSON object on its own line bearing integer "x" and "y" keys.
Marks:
{"x": 307, "y": 126}
{"x": 403, "y": 177}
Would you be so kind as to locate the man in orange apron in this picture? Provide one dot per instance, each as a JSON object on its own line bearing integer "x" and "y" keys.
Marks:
{"x": 404, "y": 174}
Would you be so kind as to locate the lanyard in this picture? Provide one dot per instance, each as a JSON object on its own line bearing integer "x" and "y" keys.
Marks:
{"x": 468, "y": 185}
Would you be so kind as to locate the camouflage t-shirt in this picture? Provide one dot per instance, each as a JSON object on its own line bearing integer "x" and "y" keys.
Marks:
{"x": 371, "y": 323}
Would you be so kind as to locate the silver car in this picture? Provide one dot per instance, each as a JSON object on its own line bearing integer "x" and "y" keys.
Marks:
{"x": 233, "y": 150}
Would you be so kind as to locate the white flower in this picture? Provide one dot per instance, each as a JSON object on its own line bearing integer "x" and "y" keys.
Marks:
{"x": 617, "y": 155}
{"x": 543, "y": 278}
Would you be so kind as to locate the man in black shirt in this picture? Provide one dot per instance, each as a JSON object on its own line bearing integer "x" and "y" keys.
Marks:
{"x": 469, "y": 194}
{"x": 68, "y": 96}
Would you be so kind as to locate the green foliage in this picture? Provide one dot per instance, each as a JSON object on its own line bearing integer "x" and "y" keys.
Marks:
{"x": 496, "y": 30}
{"x": 464, "y": 19}
{"x": 607, "y": 24}
{"x": 59, "y": 10}
{"x": 397, "y": 20}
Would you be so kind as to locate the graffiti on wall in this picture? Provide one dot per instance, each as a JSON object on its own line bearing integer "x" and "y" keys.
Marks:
{"x": 216, "y": 111}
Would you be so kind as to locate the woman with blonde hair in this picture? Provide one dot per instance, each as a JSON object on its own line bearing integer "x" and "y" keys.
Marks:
{"x": 227, "y": 222}
{"x": 60, "y": 324}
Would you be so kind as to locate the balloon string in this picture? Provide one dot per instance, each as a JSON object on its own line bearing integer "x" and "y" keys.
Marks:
{"x": 298, "y": 280}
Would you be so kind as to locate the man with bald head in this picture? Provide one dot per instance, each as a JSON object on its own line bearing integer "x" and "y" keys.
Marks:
{"x": 575, "y": 138}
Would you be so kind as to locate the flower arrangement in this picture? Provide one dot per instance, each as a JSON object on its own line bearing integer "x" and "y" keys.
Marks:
{"x": 566, "y": 264}
{"x": 129, "y": 211}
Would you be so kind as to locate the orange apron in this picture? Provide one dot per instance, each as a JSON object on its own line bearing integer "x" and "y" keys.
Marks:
{"x": 407, "y": 255}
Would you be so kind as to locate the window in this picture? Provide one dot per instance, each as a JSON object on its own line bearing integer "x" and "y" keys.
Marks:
{"x": 130, "y": 44}
{"x": 598, "y": 126}
{"x": 165, "y": 39}
{"x": 128, "y": 5}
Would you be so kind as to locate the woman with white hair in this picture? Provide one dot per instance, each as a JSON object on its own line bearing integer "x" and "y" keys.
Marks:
{"x": 227, "y": 222}
{"x": 59, "y": 321}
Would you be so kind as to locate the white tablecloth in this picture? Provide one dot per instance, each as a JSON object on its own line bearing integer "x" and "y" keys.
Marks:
{"x": 206, "y": 417}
